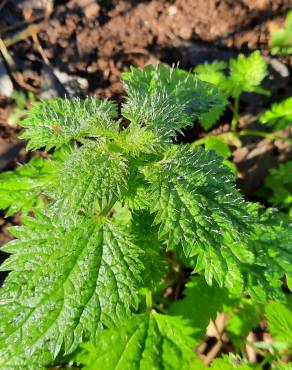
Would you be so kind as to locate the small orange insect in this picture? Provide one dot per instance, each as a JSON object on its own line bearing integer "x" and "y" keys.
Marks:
{"x": 56, "y": 127}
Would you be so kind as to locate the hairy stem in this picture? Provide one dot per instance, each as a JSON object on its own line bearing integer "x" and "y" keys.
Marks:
{"x": 149, "y": 300}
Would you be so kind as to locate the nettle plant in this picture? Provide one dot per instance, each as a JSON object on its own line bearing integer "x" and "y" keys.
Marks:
{"x": 244, "y": 74}
{"x": 120, "y": 212}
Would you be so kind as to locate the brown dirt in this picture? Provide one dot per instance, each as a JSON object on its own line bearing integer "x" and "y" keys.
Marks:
{"x": 100, "y": 41}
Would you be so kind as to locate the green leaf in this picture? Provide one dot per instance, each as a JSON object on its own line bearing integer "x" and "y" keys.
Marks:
{"x": 212, "y": 73}
{"x": 138, "y": 141}
{"x": 271, "y": 245}
{"x": 273, "y": 250}
{"x": 232, "y": 362}
{"x": 200, "y": 304}
{"x": 145, "y": 235}
{"x": 289, "y": 282}
{"x": 281, "y": 42}
{"x": 285, "y": 366}
{"x": 278, "y": 185}
{"x": 246, "y": 74}
{"x": 198, "y": 207}
{"x": 149, "y": 341}
{"x": 91, "y": 177}
{"x": 169, "y": 99}
{"x": 21, "y": 190}
{"x": 53, "y": 123}
{"x": 210, "y": 118}
{"x": 221, "y": 149}
{"x": 280, "y": 114}
{"x": 65, "y": 284}
{"x": 279, "y": 318}
{"x": 242, "y": 322}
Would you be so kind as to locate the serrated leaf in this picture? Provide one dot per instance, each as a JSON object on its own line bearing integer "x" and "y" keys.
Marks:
{"x": 212, "y": 73}
{"x": 91, "y": 177}
{"x": 278, "y": 186}
{"x": 136, "y": 195}
{"x": 196, "y": 202}
{"x": 169, "y": 99}
{"x": 53, "y": 123}
{"x": 279, "y": 318}
{"x": 149, "y": 341}
{"x": 208, "y": 119}
{"x": 246, "y": 74}
{"x": 158, "y": 112}
{"x": 220, "y": 147}
{"x": 64, "y": 285}
{"x": 20, "y": 190}
{"x": 272, "y": 248}
{"x": 200, "y": 304}
{"x": 145, "y": 235}
{"x": 138, "y": 141}
{"x": 279, "y": 115}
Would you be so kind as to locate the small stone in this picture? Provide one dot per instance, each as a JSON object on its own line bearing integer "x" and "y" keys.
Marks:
{"x": 279, "y": 67}
{"x": 172, "y": 10}
{"x": 56, "y": 83}
{"x": 91, "y": 11}
{"x": 185, "y": 33}
{"x": 6, "y": 85}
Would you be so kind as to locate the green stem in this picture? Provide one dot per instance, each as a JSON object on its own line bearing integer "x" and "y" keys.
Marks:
{"x": 104, "y": 212}
{"x": 235, "y": 118}
{"x": 268, "y": 135}
{"x": 200, "y": 141}
{"x": 149, "y": 300}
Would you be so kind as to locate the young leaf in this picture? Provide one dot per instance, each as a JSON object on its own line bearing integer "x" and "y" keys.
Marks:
{"x": 64, "y": 285}
{"x": 169, "y": 99}
{"x": 158, "y": 112}
{"x": 20, "y": 190}
{"x": 53, "y": 123}
{"x": 212, "y": 73}
{"x": 246, "y": 74}
{"x": 148, "y": 341}
{"x": 280, "y": 114}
